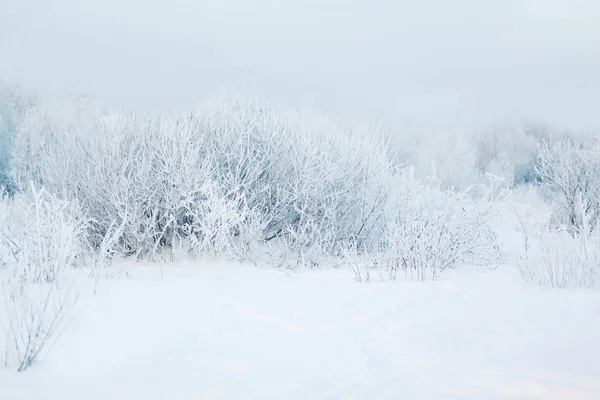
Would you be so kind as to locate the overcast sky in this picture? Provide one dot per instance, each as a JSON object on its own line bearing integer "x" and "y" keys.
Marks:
{"x": 421, "y": 61}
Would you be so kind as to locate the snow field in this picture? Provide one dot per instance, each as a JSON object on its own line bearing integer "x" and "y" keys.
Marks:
{"x": 209, "y": 331}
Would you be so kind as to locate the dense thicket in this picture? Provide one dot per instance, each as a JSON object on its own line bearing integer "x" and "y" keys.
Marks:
{"x": 235, "y": 173}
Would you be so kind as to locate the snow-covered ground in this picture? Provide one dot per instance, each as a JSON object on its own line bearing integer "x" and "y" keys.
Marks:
{"x": 216, "y": 331}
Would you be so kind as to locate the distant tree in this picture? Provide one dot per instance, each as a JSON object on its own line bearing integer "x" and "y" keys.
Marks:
{"x": 509, "y": 150}
{"x": 13, "y": 105}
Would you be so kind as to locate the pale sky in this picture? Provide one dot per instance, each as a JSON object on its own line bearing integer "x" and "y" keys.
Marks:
{"x": 420, "y": 61}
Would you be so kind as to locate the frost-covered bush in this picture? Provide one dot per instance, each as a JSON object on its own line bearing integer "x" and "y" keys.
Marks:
{"x": 562, "y": 258}
{"x": 569, "y": 169}
{"x": 434, "y": 229}
{"x": 40, "y": 242}
{"x": 273, "y": 174}
{"x": 439, "y": 229}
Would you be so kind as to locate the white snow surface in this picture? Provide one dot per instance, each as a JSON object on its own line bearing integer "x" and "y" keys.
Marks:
{"x": 209, "y": 330}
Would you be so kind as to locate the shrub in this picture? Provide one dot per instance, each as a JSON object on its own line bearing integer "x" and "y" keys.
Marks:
{"x": 562, "y": 258}
{"x": 435, "y": 229}
{"x": 42, "y": 243}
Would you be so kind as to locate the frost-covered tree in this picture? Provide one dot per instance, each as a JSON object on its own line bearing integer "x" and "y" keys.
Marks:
{"x": 569, "y": 169}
